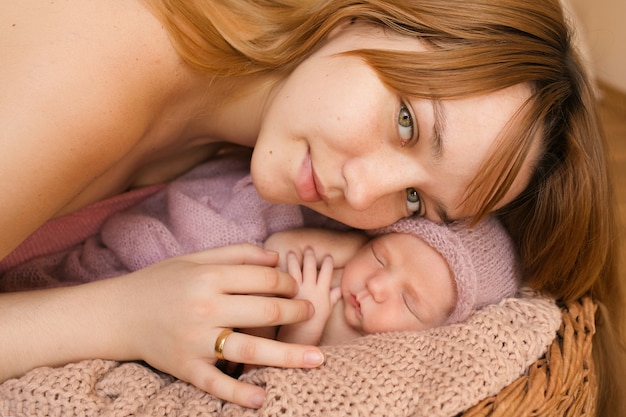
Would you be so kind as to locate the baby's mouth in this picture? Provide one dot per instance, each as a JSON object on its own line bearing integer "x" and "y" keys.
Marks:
{"x": 357, "y": 306}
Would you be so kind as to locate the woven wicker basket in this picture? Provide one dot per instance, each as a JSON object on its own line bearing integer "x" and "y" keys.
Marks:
{"x": 563, "y": 383}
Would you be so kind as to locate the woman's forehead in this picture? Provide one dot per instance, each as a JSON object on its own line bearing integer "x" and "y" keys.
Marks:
{"x": 464, "y": 135}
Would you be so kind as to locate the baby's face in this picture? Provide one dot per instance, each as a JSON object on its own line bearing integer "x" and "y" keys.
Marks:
{"x": 397, "y": 282}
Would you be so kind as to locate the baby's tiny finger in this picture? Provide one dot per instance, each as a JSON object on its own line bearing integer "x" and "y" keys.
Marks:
{"x": 309, "y": 266}
{"x": 335, "y": 295}
{"x": 325, "y": 275}
{"x": 293, "y": 267}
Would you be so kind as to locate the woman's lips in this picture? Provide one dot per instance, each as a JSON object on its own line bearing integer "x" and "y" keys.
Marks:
{"x": 305, "y": 182}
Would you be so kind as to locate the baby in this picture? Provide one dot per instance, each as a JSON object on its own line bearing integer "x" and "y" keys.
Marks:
{"x": 411, "y": 276}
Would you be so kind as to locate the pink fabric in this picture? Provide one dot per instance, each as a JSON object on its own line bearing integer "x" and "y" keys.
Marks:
{"x": 64, "y": 232}
{"x": 482, "y": 259}
{"x": 213, "y": 205}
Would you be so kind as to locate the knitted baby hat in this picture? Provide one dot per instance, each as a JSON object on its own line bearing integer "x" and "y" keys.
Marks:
{"x": 482, "y": 259}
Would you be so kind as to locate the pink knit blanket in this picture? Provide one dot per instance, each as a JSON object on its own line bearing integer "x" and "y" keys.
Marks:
{"x": 213, "y": 205}
{"x": 437, "y": 373}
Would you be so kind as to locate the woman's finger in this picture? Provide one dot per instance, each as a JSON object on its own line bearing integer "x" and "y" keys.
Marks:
{"x": 210, "y": 379}
{"x": 247, "y": 311}
{"x": 244, "y": 348}
{"x": 244, "y": 253}
{"x": 245, "y": 279}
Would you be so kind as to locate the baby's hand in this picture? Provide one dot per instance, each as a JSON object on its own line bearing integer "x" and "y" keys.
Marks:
{"x": 315, "y": 287}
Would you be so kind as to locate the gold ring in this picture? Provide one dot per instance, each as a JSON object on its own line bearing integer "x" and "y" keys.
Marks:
{"x": 220, "y": 342}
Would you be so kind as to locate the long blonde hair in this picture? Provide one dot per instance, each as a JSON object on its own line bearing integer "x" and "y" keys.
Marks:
{"x": 564, "y": 222}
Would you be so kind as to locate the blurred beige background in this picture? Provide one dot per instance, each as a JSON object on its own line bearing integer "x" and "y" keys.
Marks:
{"x": 603, "y": 23}
{"x": 603, "y": 26}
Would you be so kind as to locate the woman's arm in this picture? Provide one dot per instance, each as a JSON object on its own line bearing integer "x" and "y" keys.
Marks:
{"x": 340, "y": 245}
{"x": 169, "y": 315}
{"x": 87, "y": 100}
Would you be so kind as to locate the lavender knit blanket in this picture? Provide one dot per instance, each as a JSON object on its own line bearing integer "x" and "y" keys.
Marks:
{"x": 213, "y": 205}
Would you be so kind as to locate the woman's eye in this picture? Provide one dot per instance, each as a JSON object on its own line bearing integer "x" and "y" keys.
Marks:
{"x": 413, "y": 201}
{"x": 405, "y": 125}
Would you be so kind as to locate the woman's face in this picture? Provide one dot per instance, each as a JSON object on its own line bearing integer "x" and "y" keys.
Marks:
{"x": 397, "y": 282}
{"x": 334, "y": 138}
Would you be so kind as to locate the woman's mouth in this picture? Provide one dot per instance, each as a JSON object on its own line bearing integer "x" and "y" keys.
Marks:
{"x": 305, "y": 183}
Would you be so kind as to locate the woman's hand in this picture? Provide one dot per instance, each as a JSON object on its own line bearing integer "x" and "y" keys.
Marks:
{"x": 181, "y": 305}
{"x": 169, "y": 314}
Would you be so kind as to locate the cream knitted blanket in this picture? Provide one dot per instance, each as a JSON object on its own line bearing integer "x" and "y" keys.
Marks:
{"x": 440, "y": 372}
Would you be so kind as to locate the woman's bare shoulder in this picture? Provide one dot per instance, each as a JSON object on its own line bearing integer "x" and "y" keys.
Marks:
{"x": 82, "y": 81}
{"x": 96, "y": 40}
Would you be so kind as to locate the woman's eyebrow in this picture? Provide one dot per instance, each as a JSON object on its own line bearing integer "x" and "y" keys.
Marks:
{"x": 439, "y": 117}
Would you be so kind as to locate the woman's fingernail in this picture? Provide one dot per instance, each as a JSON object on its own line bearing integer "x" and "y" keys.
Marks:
{"x": 313, "y": 358}
{"x": 256, "y": 400}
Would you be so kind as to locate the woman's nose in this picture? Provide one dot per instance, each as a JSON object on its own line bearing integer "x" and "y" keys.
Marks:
{"x": 367, "y": 182}
{"x": 361, "y": 195}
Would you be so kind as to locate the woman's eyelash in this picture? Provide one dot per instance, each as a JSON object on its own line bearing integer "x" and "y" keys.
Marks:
{"x": 406, "y": 125}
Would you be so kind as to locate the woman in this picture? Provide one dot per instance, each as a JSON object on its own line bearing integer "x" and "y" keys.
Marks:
{"x": 363, "y": 111}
